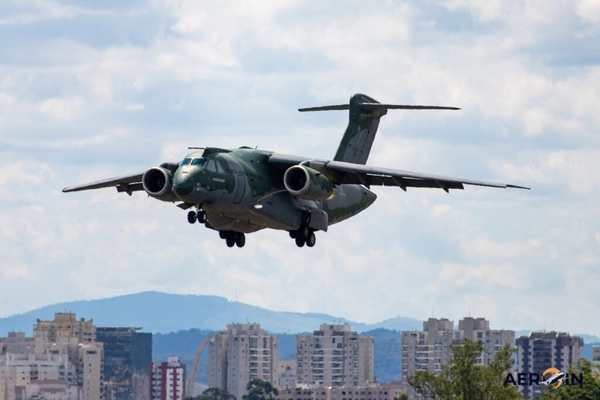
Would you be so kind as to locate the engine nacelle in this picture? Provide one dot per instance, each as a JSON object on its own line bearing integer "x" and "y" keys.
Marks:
{"x": 158, "y": 183}
{"x": 307, "y": 183}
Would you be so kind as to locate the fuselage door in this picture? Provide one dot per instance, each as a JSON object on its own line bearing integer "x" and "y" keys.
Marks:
{"x": 240, "y": 189}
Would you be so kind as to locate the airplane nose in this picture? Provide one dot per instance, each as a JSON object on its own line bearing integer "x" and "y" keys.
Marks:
{"x": 182, "y": 184}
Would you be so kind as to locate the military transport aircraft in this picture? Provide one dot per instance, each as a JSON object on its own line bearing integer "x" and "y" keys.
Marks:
{"x": 243, "y": 190}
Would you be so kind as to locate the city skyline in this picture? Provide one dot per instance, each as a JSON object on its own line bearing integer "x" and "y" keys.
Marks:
{"x": 89, "y": 91}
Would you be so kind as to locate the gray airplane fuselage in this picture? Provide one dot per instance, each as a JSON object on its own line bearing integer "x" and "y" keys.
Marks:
{"x": 240, "y": 191}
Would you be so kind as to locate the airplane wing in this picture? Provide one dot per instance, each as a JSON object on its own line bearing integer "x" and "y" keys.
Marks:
{"x": 344, "y": 172}
{"x": 127, "y": 183}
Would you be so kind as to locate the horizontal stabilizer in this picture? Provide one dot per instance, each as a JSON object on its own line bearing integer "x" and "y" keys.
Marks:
{"x": 376, "y": 106}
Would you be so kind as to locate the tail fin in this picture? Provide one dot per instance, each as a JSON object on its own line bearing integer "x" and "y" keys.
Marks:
{"x": 363, "y": 122}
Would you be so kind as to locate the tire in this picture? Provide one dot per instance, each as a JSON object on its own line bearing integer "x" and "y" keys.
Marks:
{"x": 201, "y": 216}
{"x": 240, "y": 241}
{"x": 300, "y": 242}
{"x": 230, "y": 241}
{"x": 304, "y": 232}
{"x": 223, "y": 234}
{"x": 293, "y": 234}
{"x": 311, "y": 240}
{"x": 191, "y": 217}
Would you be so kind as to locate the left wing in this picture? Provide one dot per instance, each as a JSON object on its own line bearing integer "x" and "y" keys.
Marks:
{"x": 127, "y": 183}
{"x": 343, "y": 172}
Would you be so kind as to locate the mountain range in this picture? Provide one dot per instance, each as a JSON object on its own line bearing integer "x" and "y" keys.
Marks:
{"x": 164, "y": 313}
{"x": 157, "y": 312}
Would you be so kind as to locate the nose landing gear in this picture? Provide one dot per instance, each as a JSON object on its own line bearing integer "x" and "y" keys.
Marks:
{"x": 199, "y": 216}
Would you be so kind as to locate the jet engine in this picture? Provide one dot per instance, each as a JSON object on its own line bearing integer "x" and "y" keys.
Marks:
{"x": 157, "y": 182}
{"x": 307, "y": 183}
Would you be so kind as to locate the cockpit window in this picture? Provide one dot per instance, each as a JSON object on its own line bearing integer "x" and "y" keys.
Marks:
{"x": 185, "y": 162}
{"x": 198, "y": 161}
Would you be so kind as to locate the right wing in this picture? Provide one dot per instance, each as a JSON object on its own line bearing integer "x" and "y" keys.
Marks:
{"x": 127, "y": 183}
{"x": 340, "y": 172}
{"x": 367, "y": 175}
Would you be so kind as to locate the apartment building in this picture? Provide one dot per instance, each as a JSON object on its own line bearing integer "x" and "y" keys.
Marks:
{"x": 27, "y": 376}
{"x": 76, "y": 339}
{"x": 334, "y": 356}
{"x": 429, "y": 349}
{"x": 167, "y": 380}
{"x": 16, "y": 343}
{"x": 240, "y": 353}
{"x": 478, "y": 329}
{"x": 542, "y": 350}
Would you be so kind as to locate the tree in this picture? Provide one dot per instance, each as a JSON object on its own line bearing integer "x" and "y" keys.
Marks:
{"x": 260, "y": 390}
{"x": 213, "y": 393}
{"x": 463, "y": 379}
{"x": 588, "y": 390}
{"x": 431, "y": 386}
{"x": 401, "y": 396}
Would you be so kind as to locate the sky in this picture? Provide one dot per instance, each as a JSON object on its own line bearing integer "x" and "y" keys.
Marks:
{"x": 92, "y": 90}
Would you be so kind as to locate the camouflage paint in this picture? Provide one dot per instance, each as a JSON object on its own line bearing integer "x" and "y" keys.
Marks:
{"x": 265, "y": 202}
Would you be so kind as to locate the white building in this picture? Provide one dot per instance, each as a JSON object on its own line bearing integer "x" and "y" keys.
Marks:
{"x": 334, "y": 356}
{"x": 429, "y": 349}
{"x": 241, "y": 353}
{"x": 25, "y": 376}
{"x": 76, "y": 339}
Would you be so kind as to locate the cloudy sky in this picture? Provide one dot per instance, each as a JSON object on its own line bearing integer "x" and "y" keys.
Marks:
{"x": 90, "y": 91}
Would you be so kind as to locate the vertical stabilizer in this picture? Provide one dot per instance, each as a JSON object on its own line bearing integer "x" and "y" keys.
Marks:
{"x": 356, "y": 143}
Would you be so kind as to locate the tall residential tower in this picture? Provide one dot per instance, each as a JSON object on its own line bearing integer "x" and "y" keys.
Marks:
{"x": 334, "y": 356}
{"x": 241, "y": 353}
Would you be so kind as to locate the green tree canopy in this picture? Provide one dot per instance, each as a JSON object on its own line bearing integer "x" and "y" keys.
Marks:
{"x": 463, "y": 379}
{"x": 260, "y": 390}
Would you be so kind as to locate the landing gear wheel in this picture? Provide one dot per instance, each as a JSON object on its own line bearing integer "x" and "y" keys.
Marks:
{"x": 240, "y": 241}
{"x": 230, "y": 241}
{"x": 293, "y": 234}
{"x": 300, "y": 242}
{"x": 223, "y": 234}
{"x": 191, "y": 217}
{"x": 304, "y": 232}
{"x": 311, "y": 240}
{"x": 201, "y": 216}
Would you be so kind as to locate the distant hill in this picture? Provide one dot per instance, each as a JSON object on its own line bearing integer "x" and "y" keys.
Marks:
{"x": 163, "y": 313}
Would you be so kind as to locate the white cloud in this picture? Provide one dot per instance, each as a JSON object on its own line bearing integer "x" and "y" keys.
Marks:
{"x": 78, "y": 107}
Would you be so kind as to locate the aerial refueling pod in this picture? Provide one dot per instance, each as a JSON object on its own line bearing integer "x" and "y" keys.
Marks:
{"x": 307, "y": 183}
{"x": 158, "y": 183}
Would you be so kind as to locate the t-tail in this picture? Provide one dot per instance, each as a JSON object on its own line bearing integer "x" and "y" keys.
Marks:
{"x": 363, "y": 122}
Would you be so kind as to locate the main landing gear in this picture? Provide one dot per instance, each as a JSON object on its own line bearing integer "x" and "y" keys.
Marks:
{"x": 194, "y": 216}
{"x": 304, "y": 236}
{"x": 233, "y": 238}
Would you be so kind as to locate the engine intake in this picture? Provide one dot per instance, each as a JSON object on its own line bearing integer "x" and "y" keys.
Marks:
{"x": 158, "y": 182}
{"x": 307, "y": 183}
